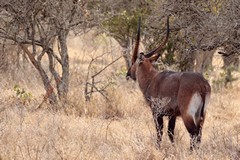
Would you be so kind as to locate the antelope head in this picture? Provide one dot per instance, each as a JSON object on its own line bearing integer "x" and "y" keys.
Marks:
{"x": 144, "y": 60}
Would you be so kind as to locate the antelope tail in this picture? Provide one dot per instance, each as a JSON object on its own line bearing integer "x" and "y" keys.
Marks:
{"x": 202, "y": 111}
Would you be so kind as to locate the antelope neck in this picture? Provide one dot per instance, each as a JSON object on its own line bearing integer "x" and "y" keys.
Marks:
{"x": 145, "y": 77}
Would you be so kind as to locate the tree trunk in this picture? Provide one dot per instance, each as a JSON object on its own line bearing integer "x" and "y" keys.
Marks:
{"x": 187, "y": 61}
{"x": 203, "y": 60}
{"x": 3, "y": 61}
{"x": 126, "y": 45}
{"x": 46, "y": 82}
{"x": 64, "y": 83}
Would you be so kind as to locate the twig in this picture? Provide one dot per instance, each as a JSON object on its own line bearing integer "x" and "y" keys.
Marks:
{"x": 93, "y": 89}
{"x": 106, "y": 66}
{"x": 108, "y": 127}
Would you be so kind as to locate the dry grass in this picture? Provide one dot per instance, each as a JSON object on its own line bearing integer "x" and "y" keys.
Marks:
{"x": 121, "y": 128}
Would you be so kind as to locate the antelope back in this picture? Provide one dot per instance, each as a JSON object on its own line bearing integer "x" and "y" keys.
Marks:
{"x": 184, "y": 93}
{"x": 173, "y": 93}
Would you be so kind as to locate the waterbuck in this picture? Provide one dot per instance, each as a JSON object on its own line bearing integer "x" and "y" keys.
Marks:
{"x": 171, "y": 94}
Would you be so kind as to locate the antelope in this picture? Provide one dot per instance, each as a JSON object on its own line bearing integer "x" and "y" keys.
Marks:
{"x": 171, "y": 94}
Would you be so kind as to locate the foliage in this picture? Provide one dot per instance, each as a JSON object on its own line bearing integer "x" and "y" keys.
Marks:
{"x": 23, "y": 95}
{"x": 224, "y": 80}
{"x": 124, "y": 24}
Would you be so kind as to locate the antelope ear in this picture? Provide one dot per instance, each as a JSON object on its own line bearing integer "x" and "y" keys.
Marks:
{"x": 154, "y": 58}
{"x": 140, "y": 58}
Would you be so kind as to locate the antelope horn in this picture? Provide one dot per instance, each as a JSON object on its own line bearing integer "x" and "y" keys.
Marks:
{"x": 135, "y": 52}
{"x": 156, "y": 50}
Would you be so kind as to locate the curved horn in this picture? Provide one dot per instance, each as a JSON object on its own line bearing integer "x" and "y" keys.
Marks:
{"x": 135, "y": 52}
{"x": 156, "y": 50}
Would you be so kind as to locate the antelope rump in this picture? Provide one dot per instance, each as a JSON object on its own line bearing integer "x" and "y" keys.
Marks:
{"x": 171, "y": 94}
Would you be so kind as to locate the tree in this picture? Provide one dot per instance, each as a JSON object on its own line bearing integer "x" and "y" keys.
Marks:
{"x": 195, "y": 26}
{"x": 191, "y": 26}
{"x": 198, "y": 26}
{"x": 229, "y": 28}
{"x": 39, "y": 23}
{"x": 119, "y": 20}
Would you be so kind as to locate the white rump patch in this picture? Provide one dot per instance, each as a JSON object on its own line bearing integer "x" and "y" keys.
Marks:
{"x": 194, "y": 107}
{"x": 207, "y": 99}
